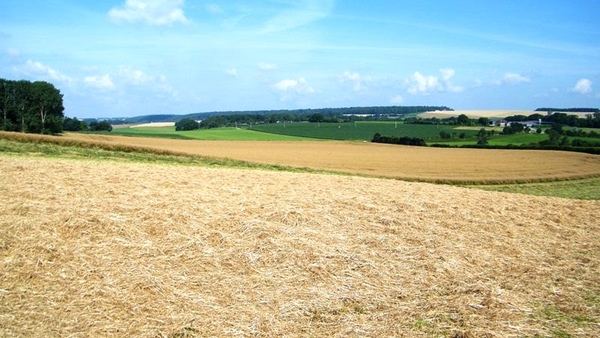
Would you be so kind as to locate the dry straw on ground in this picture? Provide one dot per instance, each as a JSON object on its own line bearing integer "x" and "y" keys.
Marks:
{"x": 107, "y": 249}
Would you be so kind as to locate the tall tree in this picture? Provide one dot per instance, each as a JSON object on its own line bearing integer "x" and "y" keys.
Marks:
{"x": 48, "y": 104}
{"x": 32, "y": 107}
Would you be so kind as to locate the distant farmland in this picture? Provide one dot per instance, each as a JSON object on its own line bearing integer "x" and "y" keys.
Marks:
{"x": 238, "y": 134}
{"x": 357, "y": 131}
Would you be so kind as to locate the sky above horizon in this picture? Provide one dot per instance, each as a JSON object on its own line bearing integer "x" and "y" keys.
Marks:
{"x": 122, "y": 58}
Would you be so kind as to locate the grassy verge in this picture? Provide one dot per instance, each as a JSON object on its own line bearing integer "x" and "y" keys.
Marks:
{"x": 584, "y": 189}
{"x": 91, "y": 151}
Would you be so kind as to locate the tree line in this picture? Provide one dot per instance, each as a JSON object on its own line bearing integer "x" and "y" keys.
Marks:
{"x": 574, "y": 110}
{"x": 30, "y": 107}
{"x": 325, "y": 115}
{"x": 73, "y": 124}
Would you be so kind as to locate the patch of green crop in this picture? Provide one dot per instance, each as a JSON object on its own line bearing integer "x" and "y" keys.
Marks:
{"x": 230, "y": 134}
{"x": 355, "y": 130}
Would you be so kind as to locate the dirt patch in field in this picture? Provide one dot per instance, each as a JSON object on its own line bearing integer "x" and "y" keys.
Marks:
{"x": 403, "y": 162}
{"x": 153, "y": 124}
{"x": 105, "y": 249}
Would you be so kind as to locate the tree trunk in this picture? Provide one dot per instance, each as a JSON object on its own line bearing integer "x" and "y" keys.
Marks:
{"x": 43, "y": 117}
{"x": 23, "y": 119}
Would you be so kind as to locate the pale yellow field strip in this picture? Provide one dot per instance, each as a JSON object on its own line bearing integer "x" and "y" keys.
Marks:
{"x": 385, "y": 160}
{"x": 153, "y": 124}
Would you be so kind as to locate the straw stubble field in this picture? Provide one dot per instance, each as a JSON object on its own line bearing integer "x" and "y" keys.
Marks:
{"x": 117, "y": 249}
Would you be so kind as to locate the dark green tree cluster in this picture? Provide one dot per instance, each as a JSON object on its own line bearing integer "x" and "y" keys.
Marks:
{"x": 515, "y": 128}
{"x": 461, "y": 120}
{"x": 73, "y": 124}
{"x": 100, "y": 126}
{"x": 575, "y": 110}
{"x": 186, "y": 124}
{"x": 30, "y": 107}
{"x": 405, "y": 140}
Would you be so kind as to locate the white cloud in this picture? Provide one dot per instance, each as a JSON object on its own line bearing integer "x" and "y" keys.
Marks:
{"x": 304, "y": 12}
{"x": 39, "y": 70}
{"x": 514, "y": 78}
{"x": 583, "y": 86}
{"x": 358, "y": 82}
{"x": 267, "y": 66}
{"x": 296, "y": 86}
{"x": 130, "y": 80}
{"x": 154, "y": 12}
{"x": 396, "y": 99}
{"x": 231, "y": 72}
{"x": 100, "y": 81}
{"x": 447, "y": 75}
{"x": 420, "y": 84}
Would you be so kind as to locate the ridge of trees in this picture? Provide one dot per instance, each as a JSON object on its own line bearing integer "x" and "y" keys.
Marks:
{"x": 404, "y": 140}
{"x": 259, "y": 116}
{"x": 574, "y": 110}
{"x": 30, "y": 107}
{"x": 325, "y": 115}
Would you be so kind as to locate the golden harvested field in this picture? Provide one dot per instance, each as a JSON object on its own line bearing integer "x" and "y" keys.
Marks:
{"x": 403, "y": 162}
{"x": 113, "y": 249}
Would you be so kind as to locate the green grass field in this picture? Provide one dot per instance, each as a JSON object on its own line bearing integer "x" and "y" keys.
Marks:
{"x": 232, "y": 134}
{"x": 498, "y": 140}
{"x": 357, "y": 131}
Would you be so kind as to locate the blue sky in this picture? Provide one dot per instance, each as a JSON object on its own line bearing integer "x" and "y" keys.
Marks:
{"x": 118, "y": 58}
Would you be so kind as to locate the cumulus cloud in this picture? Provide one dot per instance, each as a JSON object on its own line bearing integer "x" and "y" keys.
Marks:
{"x": 100, "y": 81}
{"x": 303, "y": 12}
{"x": 447, "y": 75}
{"x": 40, "y": 71}
{"x": 154, "y": 12}
{"x": 267, "y": 66}
{"x": 421, "y": 84}
{"x": 358, "y": 81}
{"x": 130, "y": 79}
{"x": 514, "y": 78}
{"x": 231, "y": 72}
{"x": 426, "y": 84}
{"x": 294, "y": 86}
{"x": 583, "y": 86}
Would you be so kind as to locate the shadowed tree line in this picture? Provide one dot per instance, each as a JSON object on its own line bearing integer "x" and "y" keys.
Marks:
{"x": 30, "y": 107}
